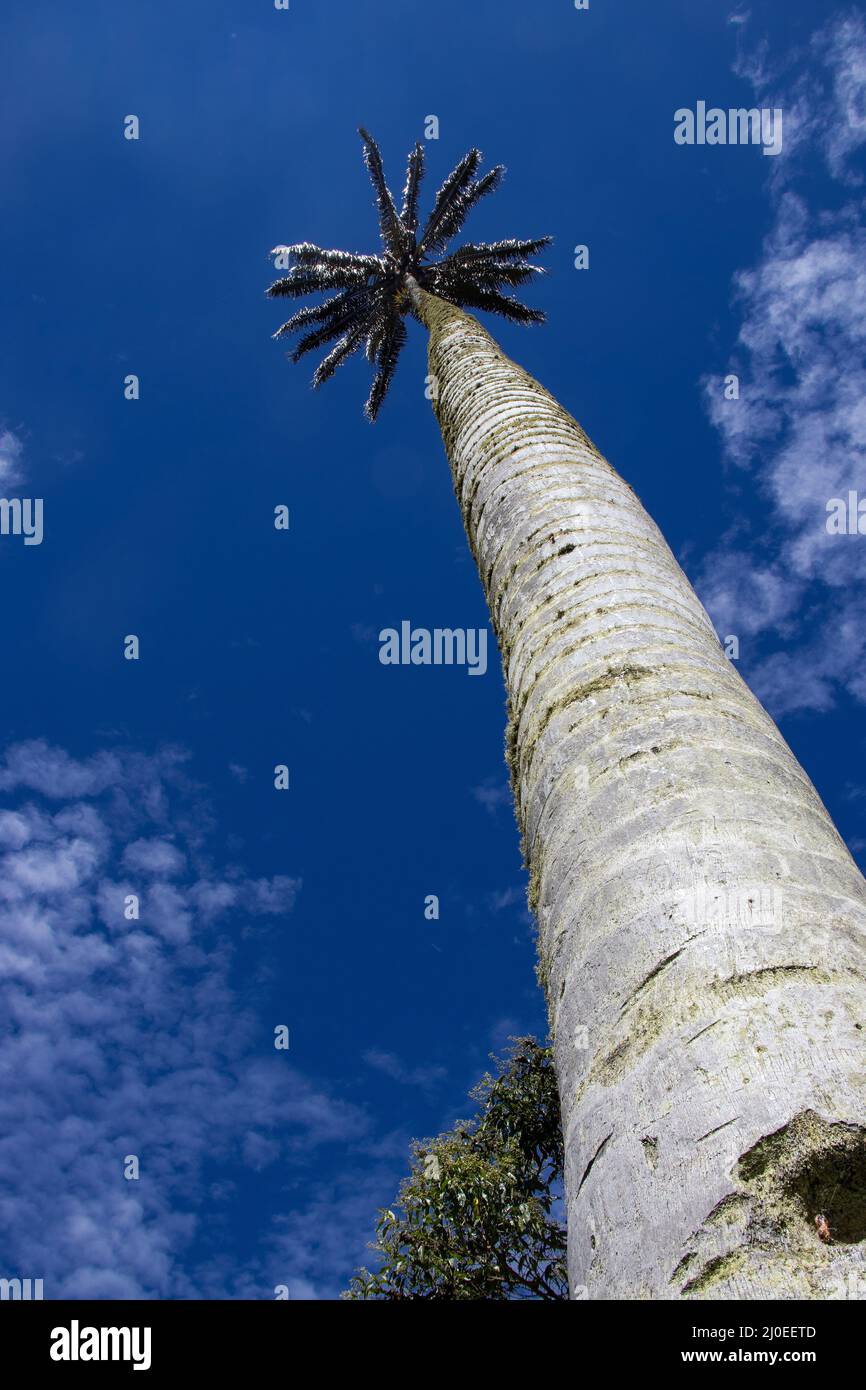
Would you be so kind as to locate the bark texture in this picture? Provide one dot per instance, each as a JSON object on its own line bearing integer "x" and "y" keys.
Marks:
{"x": 702, "y": 925}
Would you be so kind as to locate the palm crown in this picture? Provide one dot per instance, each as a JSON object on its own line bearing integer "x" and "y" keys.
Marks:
{"x": 372, "y": 301}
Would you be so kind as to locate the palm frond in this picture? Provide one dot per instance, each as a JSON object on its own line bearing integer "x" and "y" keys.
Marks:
{"x": 454, "y": 187}
{"x": 490, "y": 273}
{"x": 414, "y": 174}
{"x": 499, "y": 250}
{"x": 318, "y": 313}
{"x": 476, "y": 297}
{"x": 304, "y": 253}
{"x": 460, "y": 207}
{"x": 360, "y": 315}
{"x": 390, "y": 347}
{"x": 312, "y": 279}
{"x": 348, "y": 344}
{"x": 374, "y": 340}
{"x": 390, "y": 225}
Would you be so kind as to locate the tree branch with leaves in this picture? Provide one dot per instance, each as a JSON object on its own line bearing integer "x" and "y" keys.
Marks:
{"x": 477, "y": 1216}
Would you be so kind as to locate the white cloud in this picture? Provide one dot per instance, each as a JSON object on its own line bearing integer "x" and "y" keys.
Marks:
{"x": 333, "y": 1230}
{"x": 492, "y": 794}
{"x": 155, "y": 856}
{"x": 843, "y": 48}
{"x": 11, "y": 450}
{"x": 14, "y": 830}
{"x": 799, "y": 426}
{"x": 54, "y": 773}
{"x": 391, "y": 1065}
{"x": 506, "y": 897}
{"x": 126, "y": 1037}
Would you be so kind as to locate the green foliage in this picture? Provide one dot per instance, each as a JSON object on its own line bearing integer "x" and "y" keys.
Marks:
{"x": 476, "y": 1216}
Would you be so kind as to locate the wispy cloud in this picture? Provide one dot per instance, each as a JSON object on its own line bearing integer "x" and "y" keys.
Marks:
{"x": 124, "y": 1036}
{"x": 799, "y": 426}
{"x": 11, "y": 451}
{"x": 492, "y": 794}
{"x": 391, "y": 1065}
{"x": 502, "y": 1031}
{"x": 499, "y": 900}
{"x": 334, "y": 1229}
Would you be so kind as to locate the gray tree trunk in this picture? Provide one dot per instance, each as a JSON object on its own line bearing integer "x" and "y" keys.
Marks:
{"x": 701, "y": 922}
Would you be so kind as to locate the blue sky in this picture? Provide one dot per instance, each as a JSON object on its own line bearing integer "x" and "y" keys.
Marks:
{"x": 258, "y": 647}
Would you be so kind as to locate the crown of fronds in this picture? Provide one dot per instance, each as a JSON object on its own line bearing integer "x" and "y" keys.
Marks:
{"x": 370, "y": 302}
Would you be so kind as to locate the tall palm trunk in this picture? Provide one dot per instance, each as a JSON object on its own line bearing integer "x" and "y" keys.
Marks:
{"x": 701, "y": 922}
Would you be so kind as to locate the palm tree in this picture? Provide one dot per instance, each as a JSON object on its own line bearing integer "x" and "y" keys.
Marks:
{"x": 701, "y": 922}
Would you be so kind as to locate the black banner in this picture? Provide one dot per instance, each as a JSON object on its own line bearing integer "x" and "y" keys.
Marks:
{"x": 154, "y": 1339}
